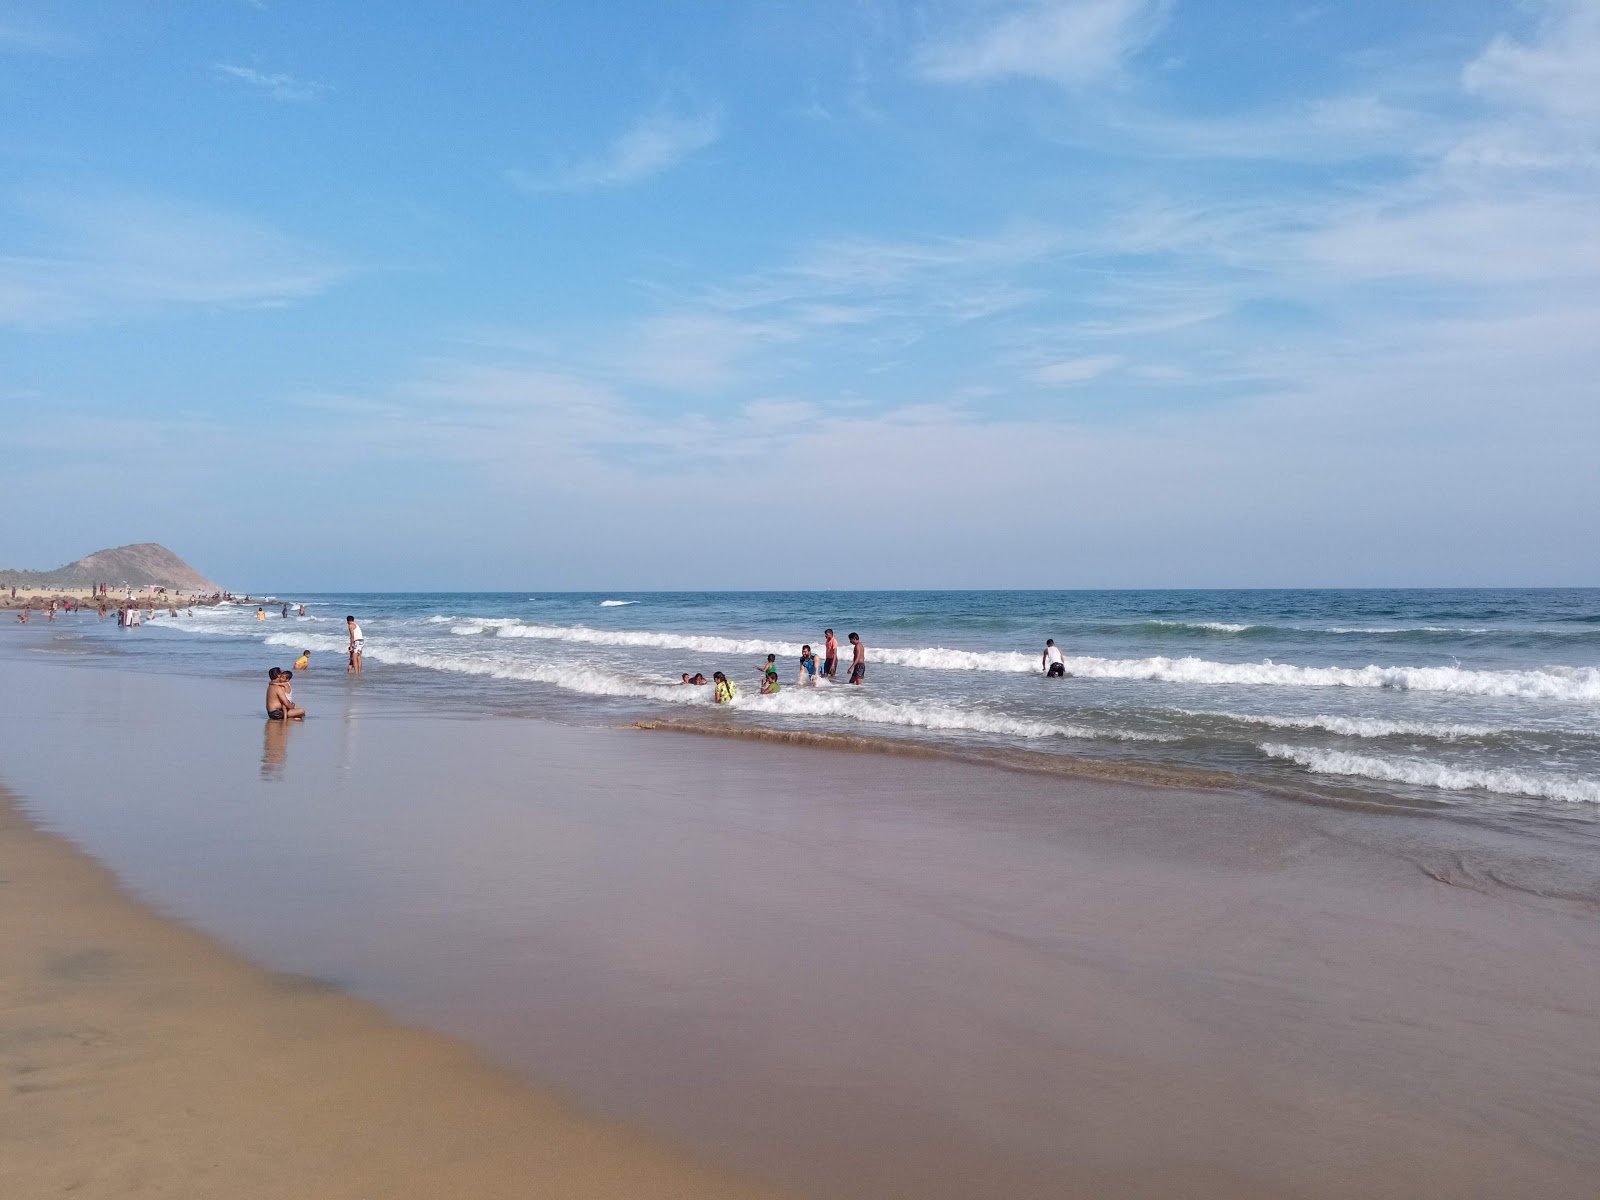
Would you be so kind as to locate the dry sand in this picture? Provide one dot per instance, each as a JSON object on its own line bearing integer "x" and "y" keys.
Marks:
{"x": 140, "y": 1059}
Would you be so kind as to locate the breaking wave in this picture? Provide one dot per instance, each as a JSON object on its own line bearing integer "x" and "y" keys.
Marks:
{"x": 1546, "y": 683}
{"x": 796, "y": 702}
{"x": 1439, "y": 775}
{"x": 1366, "y": 727}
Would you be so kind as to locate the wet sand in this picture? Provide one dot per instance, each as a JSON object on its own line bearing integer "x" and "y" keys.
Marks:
{"x": 139, "y": 1058}
{"x": 856, "y": 975}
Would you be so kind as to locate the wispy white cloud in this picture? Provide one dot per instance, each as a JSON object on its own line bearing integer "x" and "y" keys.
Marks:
{"x": 75, "y": 258}
{"x": 277, "y": 84}
{"x": 1076, "y": 370}
{"x": 655, "y": 144}
{"x": 1072, "y": 42}
{"x": 1557, "y": 70}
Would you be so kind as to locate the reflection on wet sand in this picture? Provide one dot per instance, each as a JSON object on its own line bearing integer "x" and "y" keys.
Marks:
{"x": 274, "y": 748}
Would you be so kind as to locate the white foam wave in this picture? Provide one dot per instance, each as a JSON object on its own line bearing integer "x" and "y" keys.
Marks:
{"x": 1439, "y": 775}
{"x": 1363, "y": 727}
{"x": 850, "y": 705}
{"x": 1546, "y": 683}
{"x": 802, "y": 702}
{"x": 1209, "y": 626}
{"x": 1394, "y": 629}
{"x": 616, "y": 603}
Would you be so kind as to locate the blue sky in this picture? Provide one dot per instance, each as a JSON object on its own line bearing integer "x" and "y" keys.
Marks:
{"x": 1067, "y": 293}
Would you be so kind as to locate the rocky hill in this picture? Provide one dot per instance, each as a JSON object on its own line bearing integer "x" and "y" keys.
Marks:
{"x": 140, "y": 566}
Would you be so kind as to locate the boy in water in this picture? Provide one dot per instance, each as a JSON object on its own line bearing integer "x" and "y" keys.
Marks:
{"x": 304, "y": 661}
{"x": 769, "y": 677}
{"x": 858, "y": 660}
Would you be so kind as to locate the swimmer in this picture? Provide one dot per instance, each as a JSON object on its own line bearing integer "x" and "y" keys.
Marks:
{"x": 808, "y": 668}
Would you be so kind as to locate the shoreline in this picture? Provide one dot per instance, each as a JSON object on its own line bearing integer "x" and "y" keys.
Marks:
{"x": 142, "y": 1057}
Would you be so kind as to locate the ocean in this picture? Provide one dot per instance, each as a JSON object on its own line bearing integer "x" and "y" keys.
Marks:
{"x": 1477, "y": 703}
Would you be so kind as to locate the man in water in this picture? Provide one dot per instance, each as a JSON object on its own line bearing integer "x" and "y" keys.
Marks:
{"x": 1054, "y": 666}
{"x": 830, "y": 655}
{"x": 356, "y": 642}
{"x": 285, "y": 613}
{"x": 808, "y": 668}
{"x": 858, "y": 659}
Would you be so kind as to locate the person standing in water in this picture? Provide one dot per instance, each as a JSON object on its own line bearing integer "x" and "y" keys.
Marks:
{"x": 858, "y": 660}
{"x": 1053, "y": 665}
{"x": 830, "y": 655}
{"x": 808, "y": 668}
{"x": 356, "y": 643}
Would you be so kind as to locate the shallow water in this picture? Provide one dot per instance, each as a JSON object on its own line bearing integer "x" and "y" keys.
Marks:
{"x": 1485, "y": 702}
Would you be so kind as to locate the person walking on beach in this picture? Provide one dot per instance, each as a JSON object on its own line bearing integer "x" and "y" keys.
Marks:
{"x": 356, "y": 642}
{"x": 725, "y": 690}
{"x": 808, "y": 668}
{"x": 858, "y": 659}
{"x": 1053, "y": 665}
{"x": 830, "y": 655}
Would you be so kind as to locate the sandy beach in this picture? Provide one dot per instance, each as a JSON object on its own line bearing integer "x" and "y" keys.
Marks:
{"x": 142, "y": 1059}
{"x": 842, "y": 974}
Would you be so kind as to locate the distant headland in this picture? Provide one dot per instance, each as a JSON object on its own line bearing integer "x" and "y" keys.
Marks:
{"x": 141, "y": 566}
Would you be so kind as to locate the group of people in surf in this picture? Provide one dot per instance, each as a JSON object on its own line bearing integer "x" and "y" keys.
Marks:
{"x": 811, "y": 674}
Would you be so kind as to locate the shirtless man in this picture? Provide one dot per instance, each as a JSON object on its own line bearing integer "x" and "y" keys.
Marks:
{"x": 858, "y": 660}
{"x": 356, "y": 642}
{"x": 280, "y": 702}
{"x": 830, "y": 655}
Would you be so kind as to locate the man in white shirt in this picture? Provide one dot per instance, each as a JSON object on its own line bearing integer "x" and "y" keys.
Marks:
{"x": 1055, "y": 667}
{"x": 356, "y": 642}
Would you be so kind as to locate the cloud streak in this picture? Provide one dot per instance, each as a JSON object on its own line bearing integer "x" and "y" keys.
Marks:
{"x": 656, "y": 144}
{"x": 1069, "y": 42}
{"x": 114, "y": 256}
{"x": 277, "y": 85}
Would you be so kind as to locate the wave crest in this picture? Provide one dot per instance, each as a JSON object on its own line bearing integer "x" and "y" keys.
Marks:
{"x": 1439, "y": 775}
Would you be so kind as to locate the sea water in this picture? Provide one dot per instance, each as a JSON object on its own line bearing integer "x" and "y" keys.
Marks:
{"x": 1478, "y": 702}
